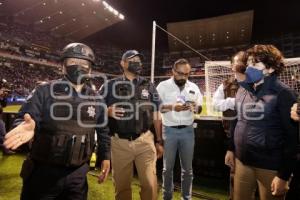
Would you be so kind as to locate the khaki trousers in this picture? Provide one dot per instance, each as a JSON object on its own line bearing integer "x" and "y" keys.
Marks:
{"x": 246, "y": 180}
{"x": 140, "y": 152}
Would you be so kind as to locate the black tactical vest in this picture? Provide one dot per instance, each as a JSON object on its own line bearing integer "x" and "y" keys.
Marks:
{"x": 230, "y": 89}
{"x": 136, "y": 100}
{"x": 65, "y": 136}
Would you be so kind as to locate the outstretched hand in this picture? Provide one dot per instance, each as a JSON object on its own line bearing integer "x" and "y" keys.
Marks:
{"x": 22, "y": 134}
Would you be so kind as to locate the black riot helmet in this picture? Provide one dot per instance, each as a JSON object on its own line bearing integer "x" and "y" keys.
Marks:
{"x": 78, "y": 50}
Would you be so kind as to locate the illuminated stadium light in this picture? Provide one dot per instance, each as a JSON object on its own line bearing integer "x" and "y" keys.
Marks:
{"x": 121, "y": 16}
{"x": 105, "y": 4}
{"x": 60, "y": 12}
{"x": 1, "y": 3}
{"x": 116, "y": 12}
{"x": 49, "y": 17}
{"x": 83, "y": 4}
{"x": 110, "y": 9}
{"x": 74, "y": 19}
{"x": 41, "y": 21}
{"x": 94, "y": 12}
{"x": 44, "y": 4}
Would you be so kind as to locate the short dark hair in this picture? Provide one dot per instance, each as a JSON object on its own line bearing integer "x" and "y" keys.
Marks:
{"x": 269, "y": 55}
{"x": 180, "y": 61}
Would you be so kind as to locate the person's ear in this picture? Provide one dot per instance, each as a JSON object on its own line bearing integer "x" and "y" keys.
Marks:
{"x": 63, "y": 69}
{"x": 173, "y": 70}
{"x": 122, "y": 63}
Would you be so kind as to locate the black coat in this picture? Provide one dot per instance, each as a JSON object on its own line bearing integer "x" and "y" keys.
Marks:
{"x": 265, "y": 136}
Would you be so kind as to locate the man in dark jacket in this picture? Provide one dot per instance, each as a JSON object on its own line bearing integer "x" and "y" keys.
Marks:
{"x": 62, "y": 117}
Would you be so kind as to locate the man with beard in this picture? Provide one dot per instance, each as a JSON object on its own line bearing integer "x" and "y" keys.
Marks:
{"x": 180, "y": 100}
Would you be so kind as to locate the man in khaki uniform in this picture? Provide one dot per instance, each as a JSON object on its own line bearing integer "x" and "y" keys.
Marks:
{"x": 133, "y": 106}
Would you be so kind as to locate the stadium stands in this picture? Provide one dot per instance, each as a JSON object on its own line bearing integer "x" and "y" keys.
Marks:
{"x": 23, "y": 77}
{"x": 29, "y": 56}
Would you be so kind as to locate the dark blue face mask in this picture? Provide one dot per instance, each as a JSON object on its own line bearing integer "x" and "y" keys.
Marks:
{"x": 253, "y": 75}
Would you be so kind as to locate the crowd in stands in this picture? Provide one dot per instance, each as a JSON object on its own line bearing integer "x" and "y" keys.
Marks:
{"x": 22, "y": 77}
{"x": 27, "y": 35}
{"x": 25, "y": 42}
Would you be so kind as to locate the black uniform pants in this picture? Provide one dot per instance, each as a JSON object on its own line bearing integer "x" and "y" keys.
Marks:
{"x": 294, "y": 192}
{"x": 60, "y": 183}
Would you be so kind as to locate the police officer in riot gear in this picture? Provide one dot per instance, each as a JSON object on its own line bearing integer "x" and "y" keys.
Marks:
{"x": 60, "y": 118}
{"x": 133, "y": 106}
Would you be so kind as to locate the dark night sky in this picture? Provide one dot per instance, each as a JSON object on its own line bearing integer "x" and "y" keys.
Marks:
{"x": 270, "y": 18}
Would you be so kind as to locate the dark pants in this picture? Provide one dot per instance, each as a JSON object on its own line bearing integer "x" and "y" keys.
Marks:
{"x": 60, "y": 183}
{"x": 294, "y": 192}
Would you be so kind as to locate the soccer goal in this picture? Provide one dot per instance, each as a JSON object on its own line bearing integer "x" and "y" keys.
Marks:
{"x": 218, "y": 71}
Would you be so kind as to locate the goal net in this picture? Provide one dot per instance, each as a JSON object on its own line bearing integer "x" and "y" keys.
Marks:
{"x": 218, "y": 71}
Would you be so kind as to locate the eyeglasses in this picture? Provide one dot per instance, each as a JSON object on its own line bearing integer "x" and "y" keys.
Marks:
{"x": 181, "y": 73}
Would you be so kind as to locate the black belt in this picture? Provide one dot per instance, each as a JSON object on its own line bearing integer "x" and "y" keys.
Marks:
{"x": 128, "y": 137}
{"x": 179, "y": 126}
